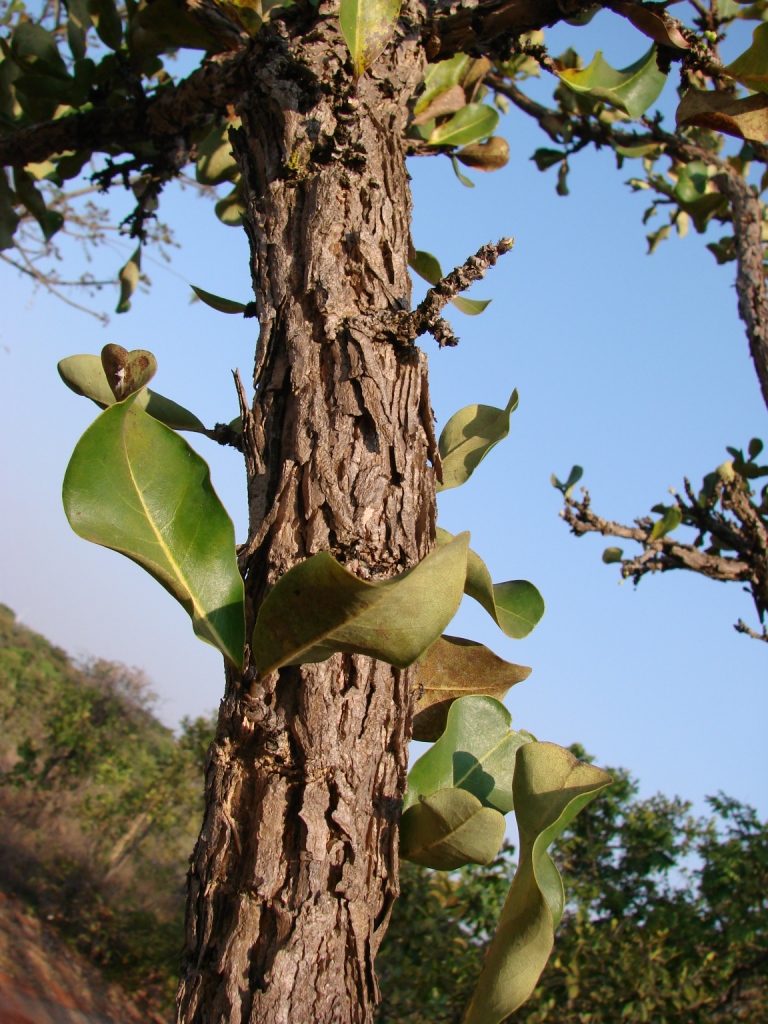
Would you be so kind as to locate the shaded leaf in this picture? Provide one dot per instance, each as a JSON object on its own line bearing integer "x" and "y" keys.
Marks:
{"x": 78, "y": 23}
{"x": 467, "y": 438}
{"x": 135, "y": 486}
{"x": 445, "y": 102}
{"x": 611, "y": 555}
{"x": 109, "y": 25}
{"x": 215, "y": 160}
{"x": 247, "y": 13}
{"x": 515, "y": 606}
{"x": 231, "y": 208}
{"x": 449, "y": 829}
{"x": 550, "y": 788}
{"x": 318, "y": 608}
{"x": 669, "y": 521}
{"x": 751, "y": 67}
{"x": 566, "y": 489}
{"x": 474, "y": 122}
{"x": 755, "y": 447}
{"x": 35, "y": 49}
{"x": 476, "y": 752}
{"x": 632, "y": 89}
{"x": 85, "y": 376}
{"x": 217, "y": 302}
{"x": 367, "y": 27}
{"x": 485, "y": 156}
{"x": 453, "y": 668}
{"x": 546, "y": 158}
{"x": 465, "y": 181}
{"x": 129, "y": 278}
{"x": 742, "y": 118}
{"x": 9, "y": 219}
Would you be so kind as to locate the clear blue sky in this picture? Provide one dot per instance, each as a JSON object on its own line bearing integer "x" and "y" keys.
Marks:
{"x": 634, "y": 366}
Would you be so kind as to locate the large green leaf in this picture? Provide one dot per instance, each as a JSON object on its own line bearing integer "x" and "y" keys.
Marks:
{"x": 467, "y": 438}
{"x": 136, "y": 486}
{"x": 516, "y": 606}
{"x": 751, "y": 67}
{"x": 453, "y": 668}
{"x": 633, "y": 89}
{"x": 550, "y": 788}
{"x": 318, "y": 608}
{"x": 476, "y": 752}
{"x": 470, "y": 124}
{"x": 85, "y": 376}
{"x": 367, "y": 27}
{"x": 449, "y": 829}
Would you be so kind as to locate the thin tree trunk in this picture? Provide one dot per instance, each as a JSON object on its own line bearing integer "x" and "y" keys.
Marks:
{"x": 296, "y": 869}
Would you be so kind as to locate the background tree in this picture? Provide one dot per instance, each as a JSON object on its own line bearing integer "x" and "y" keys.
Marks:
{"x": 289, "y": 175}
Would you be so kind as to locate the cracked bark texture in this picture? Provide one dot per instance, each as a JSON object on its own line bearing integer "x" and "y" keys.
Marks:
{"x": 295, "y": 872}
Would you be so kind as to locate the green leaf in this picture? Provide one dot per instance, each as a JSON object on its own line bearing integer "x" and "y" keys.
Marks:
{"x": 367, "y": 27}
{"x": 633, "y": 89}
{"x": 129, "y": 278}
{"x": 428, "y": 267}
{"x": 231, "y": 208}
{"x": 471, "y": 307}
{"x": 318, "y": 608}
{"x": 217, "y": 302}
{"x": 465, "y": 181}
{"x": 755, "y": 447}
{"x": 612, "y": 555}
{"x": 78, "y": 23}
{"x": 546, "y": 158}
{"x": 135, "y": 486}
{"x": 109, "y": 26}
{"x": 9, "y": 219}
{"x": 573, "y": 478}
{"x": 668, "y": 522}
{"x": 439, "y": 78}
{"x": 453, "y": 668}
{"x": 449, "y": 829}
{"x": 215, "y": 160}
{"x": 472, "y": 123}
{"x": 550, "y": 788}
{"x": 467, "y": 438}
{"x": 85, "y": 376}
{"x": 476, "y": 752}
{"x": 515, "y": 606}
{"x": 35, "y": 50}
{"x": 751, "y": 67}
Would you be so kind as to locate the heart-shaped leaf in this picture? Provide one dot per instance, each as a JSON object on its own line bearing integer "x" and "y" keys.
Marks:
{"x": 633, "y": 89}
{"x": 127, "y": 372}
{"x": 136, "y": 486}
{"x": 476, "y": 752}
{"x": 217, "y": 302}
{"x": 550, "y": 788}
{"x": 318, "y": 608}
{"x": 742, "y": 118}
{"x": 367, "y": 27}
{"x": 453, "y": 668}
{"x": 515, "y": 606}
{"x": 467, "y": 438}
{"x": 449, "y": 829}
{"x": 85, "y": 376}
{"x": 470, "y": 124}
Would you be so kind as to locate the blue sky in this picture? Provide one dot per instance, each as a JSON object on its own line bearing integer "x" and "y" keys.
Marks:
{"x": 636, "y": 367}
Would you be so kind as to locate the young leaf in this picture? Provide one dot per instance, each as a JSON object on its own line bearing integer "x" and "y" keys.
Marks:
{"x": 573, "y": 478}
{"x": 515, "y": 606}
{"x": 85, "y": 376}
{"x": 428, "y": 267}
{"x": 318, "y": 608}
{"x": 668, "y": 522}
{"x": 367, "y": 27}
{"x": 135, "y": 486}
{"x": 449, "y": 829}
{"x": 217, "y": 302}
{"x": 467, "y": 438}
{"x": 474, "y": 122}
{"x": 550, "y": 788}
{"x": 453, "y": 668}
{"x": 476, "y": 752}
{"x": 743, "y": 118}
{"x": 633, "y": 89}
{"x": 129, "y": 279}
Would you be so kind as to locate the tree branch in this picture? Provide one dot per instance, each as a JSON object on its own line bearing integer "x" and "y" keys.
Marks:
{"x": 488, "y": 26}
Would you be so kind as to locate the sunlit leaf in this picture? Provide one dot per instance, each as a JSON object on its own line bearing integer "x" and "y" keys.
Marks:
{"x": 751, "y": 67}
{"x": 129, "y": 278}
{"x": 367, "y": 27}
{"x": 668, "y": 522}
{"x": 127, "y": 372}
{"x": 632, "y": 89}
{"x": 474, "y": 122}
{"x": 136, "y": 486}
{"x": 85, "y": 376}
{"x": 476, "y": 752}
{"x": 611, "y": 555}
{"x": 486, "y": 156}
{"x": 515, "y": 606}
{"x": 449, "y": 829}
{"x": 566, "y": 489}
{"x": 453, "y": 668}
{"x": 318, "y": 608}
{"x": 721, "y": 112}
{"x": 217, "y": 302}
{"x": 440, "y": 77}
{"x": 428, "y": 267}
{"x": 467, "y": 438}
{"x": 550, "y": 788}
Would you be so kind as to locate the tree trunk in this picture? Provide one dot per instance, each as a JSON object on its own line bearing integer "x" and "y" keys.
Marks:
{"x": 296, "y": 869}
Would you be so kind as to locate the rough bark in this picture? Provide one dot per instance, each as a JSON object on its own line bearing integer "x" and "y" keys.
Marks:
{"x": 295, "y": 871}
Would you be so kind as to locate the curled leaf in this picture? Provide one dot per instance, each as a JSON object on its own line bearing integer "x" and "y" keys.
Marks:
{"x": 467, "y": 438}
{"x": 454, "y": 668}
{"x": 550, "y": 788}
{"x": 135, "y": 486}
{"x": 449, "y": 829}
{"x": 743, "y": 118}
{"x": 485, "y": 156}
{"x": 632, "y": 89}
{"x": 318, "y": 608}
{"x": 656, "y": 24}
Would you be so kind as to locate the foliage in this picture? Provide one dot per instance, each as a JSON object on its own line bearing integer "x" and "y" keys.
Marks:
{"x": 665, "y": 919}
